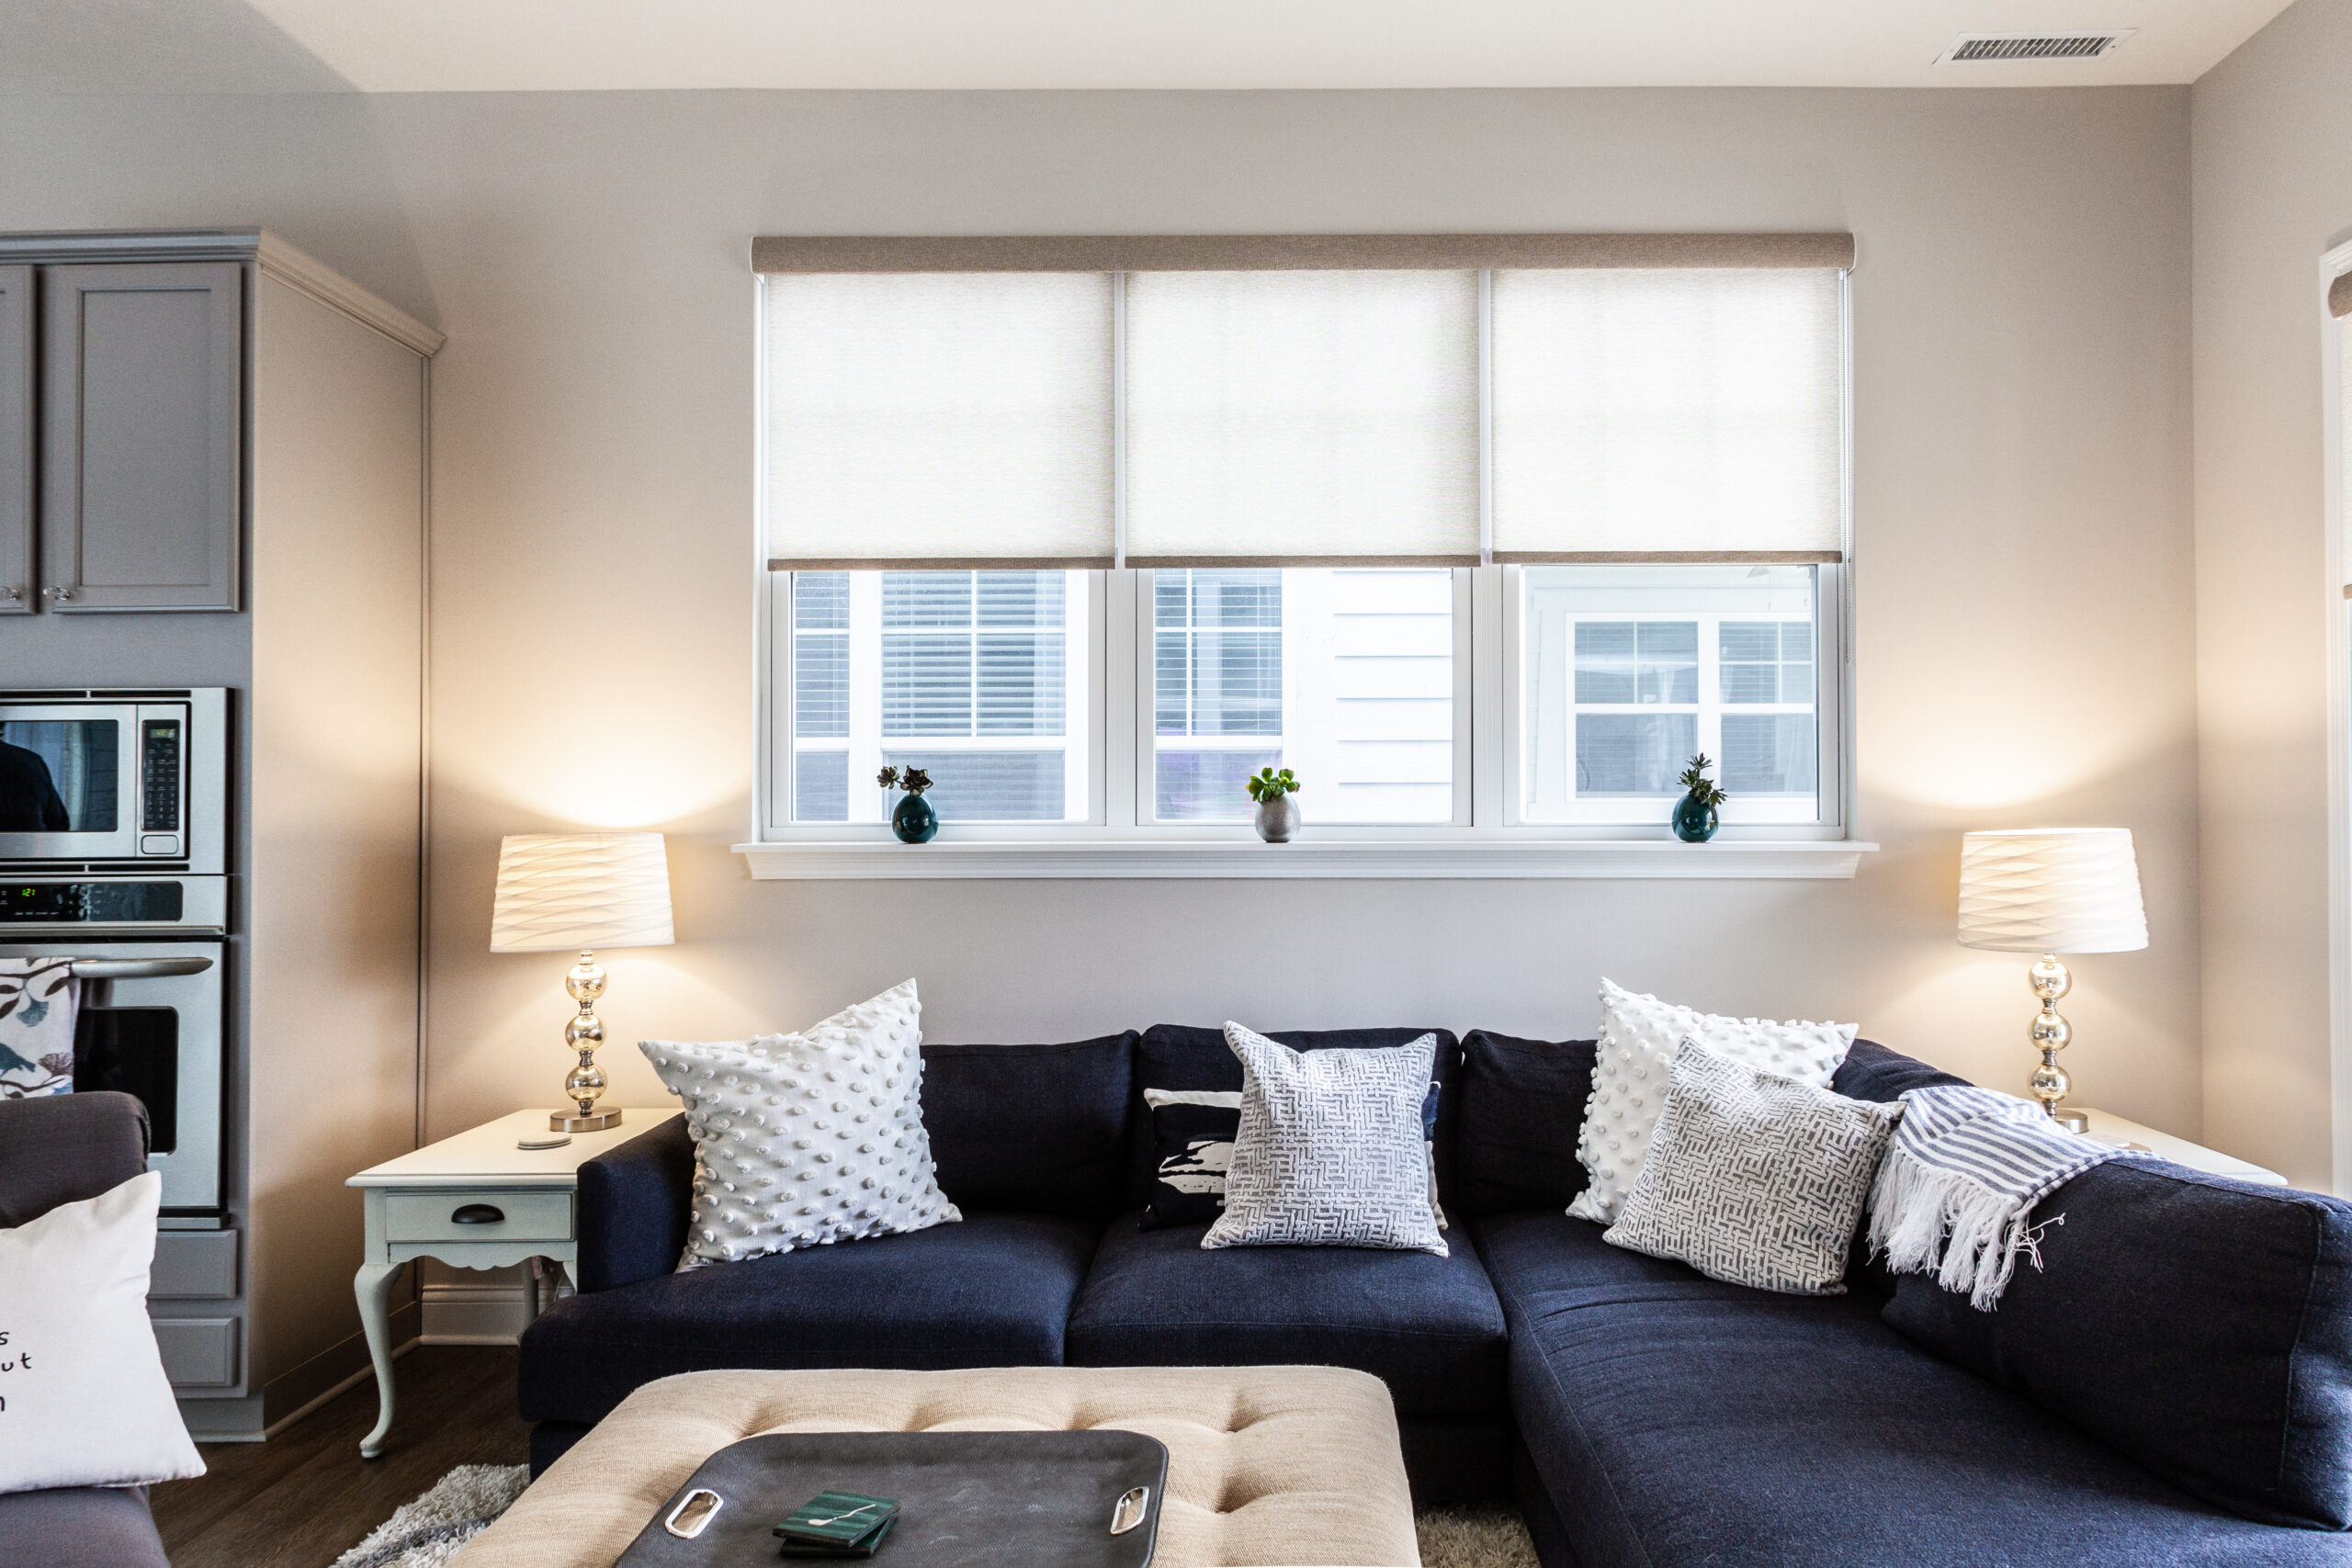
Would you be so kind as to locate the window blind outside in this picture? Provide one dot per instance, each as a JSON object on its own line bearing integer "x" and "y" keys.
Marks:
{"x": 1302, "y": 418}
{"x": 1664, "y": 414}
{"x": 942, "y": 419}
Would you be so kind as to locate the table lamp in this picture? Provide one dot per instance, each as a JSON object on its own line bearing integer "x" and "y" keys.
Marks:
{"x": 2051, "y": 890}
{"x": 560, "y": 892}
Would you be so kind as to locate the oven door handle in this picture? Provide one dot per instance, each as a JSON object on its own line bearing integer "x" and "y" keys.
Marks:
{"x": 137, "y": 968}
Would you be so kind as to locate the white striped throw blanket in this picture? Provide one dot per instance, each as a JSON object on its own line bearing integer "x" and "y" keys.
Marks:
{"x": 38, "y": 998}
{"x": 1959, "y": 1181}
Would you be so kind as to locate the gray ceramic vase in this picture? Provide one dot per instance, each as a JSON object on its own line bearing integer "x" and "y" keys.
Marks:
{"x": 1278, "y": 818}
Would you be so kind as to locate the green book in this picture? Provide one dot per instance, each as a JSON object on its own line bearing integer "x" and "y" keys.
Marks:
{"x": 864, "y": 1548}
{"x": 838, "y": 1524}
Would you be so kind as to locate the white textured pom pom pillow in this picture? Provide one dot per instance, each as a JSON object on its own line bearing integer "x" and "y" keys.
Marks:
{"x": 802, "y": 1140}
{"x": 84, "y": 1401}
{"x": 1639, "y": 1035}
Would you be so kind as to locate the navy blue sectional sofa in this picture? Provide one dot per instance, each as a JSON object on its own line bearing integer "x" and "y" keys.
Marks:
{"x": 2174, "y": 1388}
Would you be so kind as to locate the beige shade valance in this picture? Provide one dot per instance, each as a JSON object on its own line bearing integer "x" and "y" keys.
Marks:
{"x": 1282, "y": 253}
{"x": 2339, "y": 296}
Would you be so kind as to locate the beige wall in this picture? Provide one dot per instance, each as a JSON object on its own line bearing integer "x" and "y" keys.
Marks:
{"x": 2023, "y": 575}
{"x": 2273, "y": 189}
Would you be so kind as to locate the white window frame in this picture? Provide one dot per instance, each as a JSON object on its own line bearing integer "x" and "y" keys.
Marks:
{"x": 2336, "y": 361}
{"x": 1486, "y": 837}
{"x": 1831, "y": 728}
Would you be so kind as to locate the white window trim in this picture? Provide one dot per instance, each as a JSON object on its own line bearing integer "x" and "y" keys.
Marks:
{"x": 2335, "y": 358}
{"x": 1485, "y": 842}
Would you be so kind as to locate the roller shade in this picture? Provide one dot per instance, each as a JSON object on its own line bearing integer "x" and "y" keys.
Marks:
{"x": 1657, "y": 416}
{"x": 2339, "y": 296}
{"x": 944, "y": 420}
{"x": 1302, "y": 417}
{"x": 1301, "y": 399}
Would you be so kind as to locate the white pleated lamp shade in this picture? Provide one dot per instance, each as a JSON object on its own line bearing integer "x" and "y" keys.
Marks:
{"x": 2051, "y": 890}
{"x": 574, "y": 891}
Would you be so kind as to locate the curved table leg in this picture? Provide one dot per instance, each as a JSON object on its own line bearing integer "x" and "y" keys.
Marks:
{"x": 373, "y": 1286}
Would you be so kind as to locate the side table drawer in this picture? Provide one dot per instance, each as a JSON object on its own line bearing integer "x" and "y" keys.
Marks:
{"x": 434, "y": 1216}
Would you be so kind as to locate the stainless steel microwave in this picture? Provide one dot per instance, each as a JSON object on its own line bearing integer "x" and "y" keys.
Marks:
{"x": 114, "y": 779}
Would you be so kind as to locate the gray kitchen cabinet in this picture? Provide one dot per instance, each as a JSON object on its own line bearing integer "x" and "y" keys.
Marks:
{"x": 142, "y": 417}
{"x": 16, "y": 440}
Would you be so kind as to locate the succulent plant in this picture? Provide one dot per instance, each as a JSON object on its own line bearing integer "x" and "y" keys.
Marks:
{"x": 1268, "y": 784}
{"x": 1704, "y": 790}
{"x": 914, "y": 781}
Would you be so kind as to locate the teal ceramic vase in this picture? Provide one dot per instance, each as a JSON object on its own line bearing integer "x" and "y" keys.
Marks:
{"x": 1693, "y": 823}
{"x": 913, "y": 820}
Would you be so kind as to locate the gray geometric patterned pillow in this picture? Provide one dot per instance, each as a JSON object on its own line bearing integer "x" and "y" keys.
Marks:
{"x": 1754, "y": 1178}
{"x": 803, "y": 1140}
{"x": 1330, "y": 1150}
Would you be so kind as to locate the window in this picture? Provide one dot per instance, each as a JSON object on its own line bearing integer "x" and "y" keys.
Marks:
{"x": 977, "y": 677}
{"x": 1345, "y": 677}
{"x": 1631, "y": 670}
{"x": 1093, "y": 540}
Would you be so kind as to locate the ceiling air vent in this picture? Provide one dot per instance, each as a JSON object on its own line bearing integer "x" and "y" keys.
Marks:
{"x": 1974, "y": 47}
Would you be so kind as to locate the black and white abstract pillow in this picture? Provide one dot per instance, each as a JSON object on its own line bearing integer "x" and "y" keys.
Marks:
{"x": 1753, "y": 1176}
{"x": 1331, "y": 1149}
{"x": 1192, "y": 1132}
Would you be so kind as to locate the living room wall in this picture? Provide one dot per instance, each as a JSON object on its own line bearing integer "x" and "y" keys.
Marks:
{"x": 2273, "y": 191}
{"x": 2023, "y": 569}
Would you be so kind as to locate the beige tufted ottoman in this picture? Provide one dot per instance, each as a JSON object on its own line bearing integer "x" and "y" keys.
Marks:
{"x": 1293, "y": 1465}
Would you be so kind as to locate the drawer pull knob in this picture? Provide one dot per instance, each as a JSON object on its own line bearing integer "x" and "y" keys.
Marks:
{"x": 478, "y": 1215}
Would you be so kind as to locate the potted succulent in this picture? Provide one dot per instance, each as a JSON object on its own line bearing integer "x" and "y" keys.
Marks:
{"x": 1694, "y": 814}
{"x": 1277, "y": 797}
{"x": 912, "y": 819}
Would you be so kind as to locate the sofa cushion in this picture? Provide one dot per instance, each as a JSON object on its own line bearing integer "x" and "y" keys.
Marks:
{"x": 1678, "y": 1420}
{"x": 1515, "y": 1142}
{"x": 991, "y": 1290}
{"x": 1173, "y": 1055}
{"x": 1871, "y": 1071}
{"x": 2201, "y": 1324}
{"x": 79, "y": 1527}
{"x": 1039, "y": 1129}
{"x": 1428, "y": 1325}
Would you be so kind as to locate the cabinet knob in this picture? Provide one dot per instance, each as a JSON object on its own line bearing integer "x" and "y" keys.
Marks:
{"x": 58, "y": 595}
{"x": 11, "y": 594}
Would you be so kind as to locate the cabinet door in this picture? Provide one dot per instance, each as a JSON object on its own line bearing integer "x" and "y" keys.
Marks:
{"x": 142, "y": 415}
{"x": 17, "y": 595}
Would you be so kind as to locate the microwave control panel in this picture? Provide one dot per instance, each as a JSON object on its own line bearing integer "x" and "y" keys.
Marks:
{"x": 160, "y": 749}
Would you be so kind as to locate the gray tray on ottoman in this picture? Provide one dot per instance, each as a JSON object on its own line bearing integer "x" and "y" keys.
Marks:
{"x": 966, "y": 1499}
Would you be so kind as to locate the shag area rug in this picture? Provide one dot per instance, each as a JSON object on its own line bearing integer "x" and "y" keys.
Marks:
{"x": 428, "y": 1532}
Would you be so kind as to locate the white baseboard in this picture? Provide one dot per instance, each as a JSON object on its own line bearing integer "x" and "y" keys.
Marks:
{"x": 477, "y": 1314}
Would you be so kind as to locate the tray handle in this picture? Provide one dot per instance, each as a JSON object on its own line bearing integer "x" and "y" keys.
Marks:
{"x": 1129, "y": 1510}
{"x": 693, "y": 1515}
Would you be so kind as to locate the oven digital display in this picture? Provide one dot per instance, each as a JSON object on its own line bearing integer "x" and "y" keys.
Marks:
{"x": 91, "y": 903}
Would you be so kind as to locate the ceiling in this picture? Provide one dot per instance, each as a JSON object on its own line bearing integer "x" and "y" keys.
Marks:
{"x": 400, "y": 46}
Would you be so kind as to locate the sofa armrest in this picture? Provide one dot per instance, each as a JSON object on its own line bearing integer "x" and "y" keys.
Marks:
{"x": 67, "y": 1148}
{"x": 634, "y": 1204}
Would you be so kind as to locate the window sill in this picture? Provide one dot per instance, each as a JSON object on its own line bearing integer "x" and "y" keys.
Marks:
{"x": 1145, "y": 859}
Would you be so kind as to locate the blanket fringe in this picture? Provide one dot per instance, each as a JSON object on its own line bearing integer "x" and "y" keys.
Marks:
{"x": 1949, "y": 1223}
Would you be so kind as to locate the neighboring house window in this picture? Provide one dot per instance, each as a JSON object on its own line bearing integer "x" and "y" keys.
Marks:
{"x": 1291, "y": 486}
{"x": 1632, "y": 671}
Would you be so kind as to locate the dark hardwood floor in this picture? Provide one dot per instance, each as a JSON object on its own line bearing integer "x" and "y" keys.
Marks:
{"x": 303, "y": 1499}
